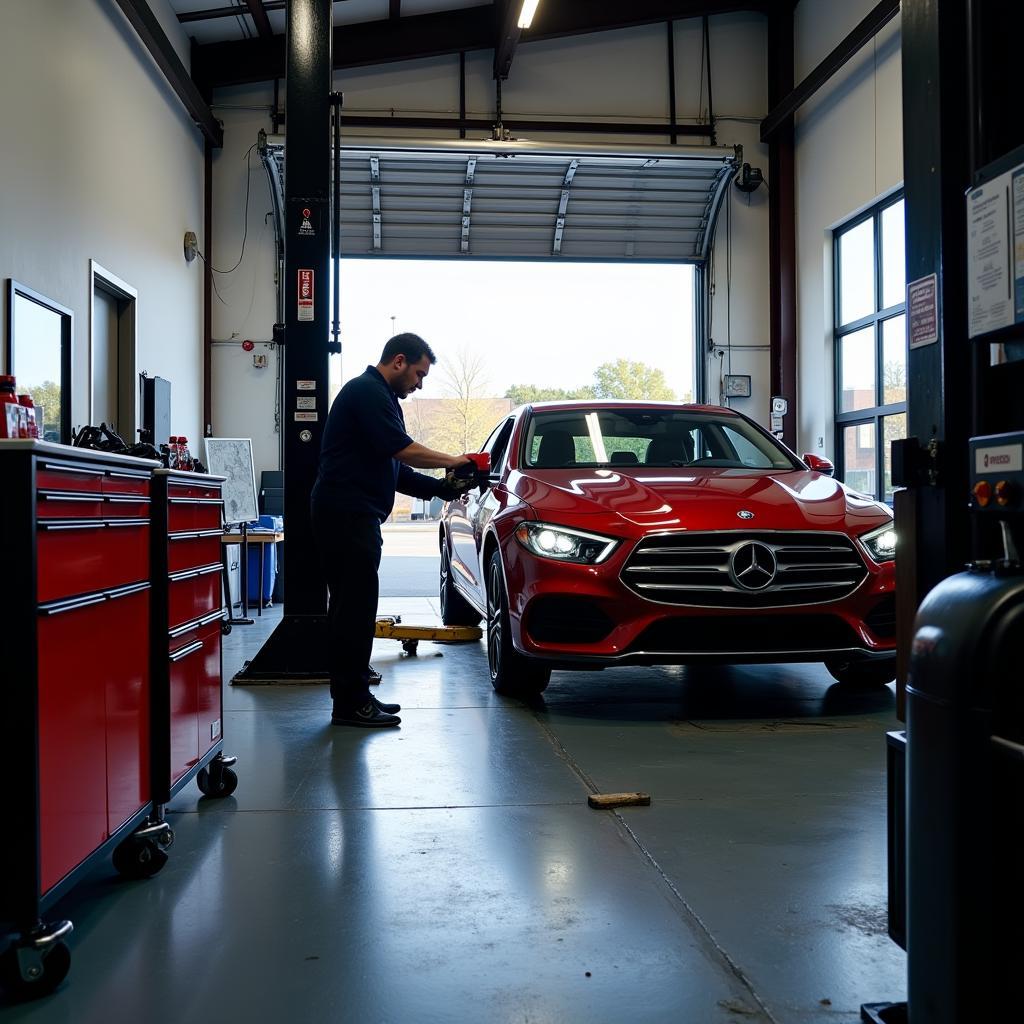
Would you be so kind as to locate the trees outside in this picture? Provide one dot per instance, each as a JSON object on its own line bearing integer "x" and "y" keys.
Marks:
{"x": 468, "y": 416}
{"x": 620, "y": 379}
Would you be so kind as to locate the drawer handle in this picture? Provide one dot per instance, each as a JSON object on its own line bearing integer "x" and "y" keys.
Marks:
{"x": 136, "y": 499}
{"x": 127, "y": 522}
{"x": 185, "y": 574}
{"x": 196, "y": 645}
{"x": 196, "y": 623}
{"x": 128, "y": 476}
{"x": 69, "y": 606}
{"x": 194, "y": 534}
{"x": 207, "y": 569}
{"x": 71, "y": 524}
{"x": 57, "y": 467}
{"x": 62, "y": 496}
{"x": 195, "y": 501}
{"x": 132, "y": 588}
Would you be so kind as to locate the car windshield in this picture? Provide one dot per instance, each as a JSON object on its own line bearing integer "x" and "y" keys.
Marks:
{"x": 625, "y": 437}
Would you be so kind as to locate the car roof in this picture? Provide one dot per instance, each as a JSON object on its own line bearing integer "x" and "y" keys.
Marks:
{"x": 625, "y": 403}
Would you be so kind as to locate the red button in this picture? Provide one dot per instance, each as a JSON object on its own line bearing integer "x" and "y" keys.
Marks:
{"x": 982, "y": 493}
{"x": 1004, "y": 493}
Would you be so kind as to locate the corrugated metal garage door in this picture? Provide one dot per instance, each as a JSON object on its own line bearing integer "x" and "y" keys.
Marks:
{"x": 525, "y": 200}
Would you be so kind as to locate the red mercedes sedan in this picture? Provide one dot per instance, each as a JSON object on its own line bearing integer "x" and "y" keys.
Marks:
{"x": 614, "y": 533}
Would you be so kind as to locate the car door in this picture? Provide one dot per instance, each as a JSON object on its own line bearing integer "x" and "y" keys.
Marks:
{"x": 470, "y": 515}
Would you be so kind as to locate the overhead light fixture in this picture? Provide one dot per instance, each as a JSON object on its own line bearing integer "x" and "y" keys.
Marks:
{"x": 527, "y": 13}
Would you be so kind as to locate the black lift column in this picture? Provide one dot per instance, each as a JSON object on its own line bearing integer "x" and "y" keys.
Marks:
{"x": 296, "y": 648}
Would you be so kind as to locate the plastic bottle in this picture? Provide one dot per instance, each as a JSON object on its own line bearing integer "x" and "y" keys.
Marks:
{"x": 31, "y": 426}
{"x": 186, "y": 455}
{"x": 10, "y": 411}
{"x": 172, "y": 452}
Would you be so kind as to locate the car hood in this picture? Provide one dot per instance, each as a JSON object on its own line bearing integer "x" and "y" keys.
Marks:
{"x": 700, "y": 499}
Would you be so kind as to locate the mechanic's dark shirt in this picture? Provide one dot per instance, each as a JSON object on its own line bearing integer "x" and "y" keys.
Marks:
{"x": 364, "y": 429}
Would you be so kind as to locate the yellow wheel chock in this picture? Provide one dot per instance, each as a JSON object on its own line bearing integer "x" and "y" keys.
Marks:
{"x": 389, "y": 627}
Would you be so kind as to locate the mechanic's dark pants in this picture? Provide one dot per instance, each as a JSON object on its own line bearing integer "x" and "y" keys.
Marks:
{"x": 349, "y": 547}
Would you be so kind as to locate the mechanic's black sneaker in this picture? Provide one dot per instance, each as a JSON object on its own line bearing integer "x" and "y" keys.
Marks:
{"x": 369, "y": 716}
{"x": 388, "y": 709}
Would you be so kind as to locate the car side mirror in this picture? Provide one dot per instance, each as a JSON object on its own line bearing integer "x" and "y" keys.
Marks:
{"x": 819, "y": 464}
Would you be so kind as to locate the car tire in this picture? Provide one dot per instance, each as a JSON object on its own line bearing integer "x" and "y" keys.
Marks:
{"x": 863, "y": 674}
{"x": 455, "y": 609}
{"x": 512, "y": 675}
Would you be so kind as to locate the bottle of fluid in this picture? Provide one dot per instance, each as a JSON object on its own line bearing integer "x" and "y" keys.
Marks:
{"x": 31, "y": 426}
{"x": 10, "y": 412}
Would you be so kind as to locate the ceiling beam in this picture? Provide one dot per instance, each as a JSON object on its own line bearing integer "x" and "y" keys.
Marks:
{"x": 508, "y": 36}
{"x": 447, "y": 32}
{"x": 258, "y": 13}
{"x": 215, "y": 13}
{"x": 167, "y": 60}
{"x": 865, "y": 31}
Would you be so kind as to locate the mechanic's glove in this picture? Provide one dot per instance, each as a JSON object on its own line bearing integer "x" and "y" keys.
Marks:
{"x": 452, "y": 487}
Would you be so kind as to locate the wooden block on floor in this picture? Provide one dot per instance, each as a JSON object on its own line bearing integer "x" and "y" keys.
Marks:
{"x": 603, "y": 801}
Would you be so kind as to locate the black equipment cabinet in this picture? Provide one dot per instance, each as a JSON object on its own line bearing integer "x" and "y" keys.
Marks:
{"x": 965, "y": 767}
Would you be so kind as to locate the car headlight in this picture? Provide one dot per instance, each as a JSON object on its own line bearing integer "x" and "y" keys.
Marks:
{"x": 881, "y": 543}
{"x": 564, "y": 544}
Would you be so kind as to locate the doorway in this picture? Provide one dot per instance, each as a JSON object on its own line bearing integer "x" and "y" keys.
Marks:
{"x": 113, "y": 372}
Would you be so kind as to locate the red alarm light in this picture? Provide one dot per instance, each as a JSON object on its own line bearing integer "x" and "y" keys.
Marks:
{"x": 248, "y": 345}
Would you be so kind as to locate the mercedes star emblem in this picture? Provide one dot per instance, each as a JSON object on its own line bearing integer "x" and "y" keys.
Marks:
{"x": 744, "y": 514}
{"x": 752, "y": 566}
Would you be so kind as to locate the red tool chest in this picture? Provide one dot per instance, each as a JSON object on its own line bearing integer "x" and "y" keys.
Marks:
{"x": 75, "y": 603}
{"x": 187, "y": 618}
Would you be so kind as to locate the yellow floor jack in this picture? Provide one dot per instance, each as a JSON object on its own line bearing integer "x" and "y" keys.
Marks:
{"x": 389, "y": 627}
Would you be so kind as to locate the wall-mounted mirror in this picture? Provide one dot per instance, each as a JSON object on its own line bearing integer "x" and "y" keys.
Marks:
{"x": 39, "y": 333}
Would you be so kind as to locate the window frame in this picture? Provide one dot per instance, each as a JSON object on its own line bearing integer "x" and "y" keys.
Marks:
{"x": 877, "y": 413}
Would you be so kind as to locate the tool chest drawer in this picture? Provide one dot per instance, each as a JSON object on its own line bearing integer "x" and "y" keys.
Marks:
{"x": 121, "y": 482}
{"x": 192, "y": 594}
{"x": 78, "y": 556}
{"x": 55, "y": 504}
{"x": 191, "y": 549}
{"x": 194, "y": 489}
{"x": 68, "y": 476}
{"x": 195, "y": 698}
{"x": 187, "y": 514}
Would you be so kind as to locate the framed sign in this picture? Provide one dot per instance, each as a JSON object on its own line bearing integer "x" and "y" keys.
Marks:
{"x": 737, "y": 385}
{"x": 231, "y": 458}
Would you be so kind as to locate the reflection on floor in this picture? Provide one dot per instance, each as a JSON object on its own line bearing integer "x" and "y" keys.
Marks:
{"x": 452, "y": 871}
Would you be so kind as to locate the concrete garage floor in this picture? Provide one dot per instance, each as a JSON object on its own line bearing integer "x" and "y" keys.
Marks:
{"x": 451, "y": 870}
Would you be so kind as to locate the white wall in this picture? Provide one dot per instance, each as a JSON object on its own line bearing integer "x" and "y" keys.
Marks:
{"x": 849, "y": 152}
{"x": 610, "y": 75}
{"x": 99, "y": 160}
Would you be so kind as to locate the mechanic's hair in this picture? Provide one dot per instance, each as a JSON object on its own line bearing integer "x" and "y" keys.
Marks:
{"x": 412, "y": 346}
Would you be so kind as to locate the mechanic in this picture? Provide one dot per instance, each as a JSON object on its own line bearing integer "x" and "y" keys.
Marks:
{"x": 365, "y": 456}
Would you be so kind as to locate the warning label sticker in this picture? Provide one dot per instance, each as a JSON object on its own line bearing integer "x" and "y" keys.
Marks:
{"x": 305, "y": 385}
{"x": 306, "y": 226}
{"x": 305, "y": 312}
{"x": 307, "y": 417}
{"x": 305, "y": 403}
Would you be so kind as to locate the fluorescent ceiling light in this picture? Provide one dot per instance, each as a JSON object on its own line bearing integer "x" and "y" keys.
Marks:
{"x": 527, "y": 13}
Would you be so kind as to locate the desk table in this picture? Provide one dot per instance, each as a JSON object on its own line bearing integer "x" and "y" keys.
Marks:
{"x": 262, "y": 538}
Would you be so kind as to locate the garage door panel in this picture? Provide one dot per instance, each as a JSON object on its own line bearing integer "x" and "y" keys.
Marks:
{"x": 527, "y": 200}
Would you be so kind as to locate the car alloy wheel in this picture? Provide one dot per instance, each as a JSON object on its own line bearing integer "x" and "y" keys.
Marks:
{"x": 511, "y": 673}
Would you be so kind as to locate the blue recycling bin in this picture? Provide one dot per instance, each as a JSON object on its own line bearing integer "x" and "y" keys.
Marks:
{"x": 269, "y": 572}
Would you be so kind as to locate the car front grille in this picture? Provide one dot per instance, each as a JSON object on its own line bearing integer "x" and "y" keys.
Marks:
{"x": 746, "y": 634}
{"x": 713, "y": 570}
{"x": 881, "y": 620}
{"x": 561, "y": 619}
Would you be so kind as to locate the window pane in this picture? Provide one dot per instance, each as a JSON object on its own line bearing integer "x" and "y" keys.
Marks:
{"x": 859, "y": 457}
{"x": 857, "y": 370}
{"x": 893, "y": 429}
{"x": 857, "y": 272}
{"x": 893, "y": 256}
{"x": 894, "y": 360}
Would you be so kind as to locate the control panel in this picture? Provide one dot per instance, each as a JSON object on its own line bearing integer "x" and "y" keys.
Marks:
{"x": 997, "y": 473}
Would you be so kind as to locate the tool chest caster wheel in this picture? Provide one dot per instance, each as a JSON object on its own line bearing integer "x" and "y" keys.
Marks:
{"x": 36, "y": 964}
{"x": 217, "y": 779}
{"x": 410, "y": 647}
{"x": 137, "y": 858}
{"x": 225, "y": 628}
